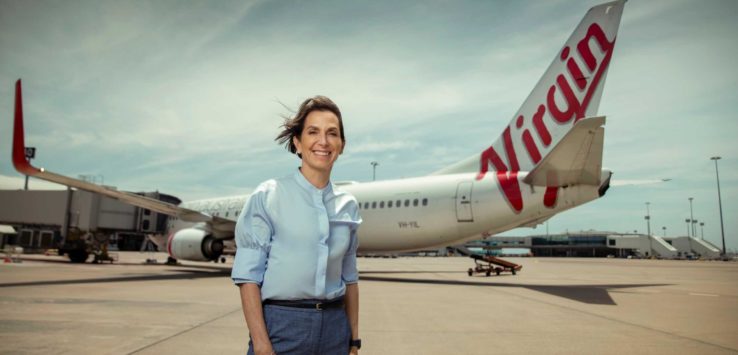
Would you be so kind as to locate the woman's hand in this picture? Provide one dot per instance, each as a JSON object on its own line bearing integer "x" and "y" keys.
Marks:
{"x": 353, "y": 351}
{"x": 263, "y": 349}
{"x": 252, "y": 311}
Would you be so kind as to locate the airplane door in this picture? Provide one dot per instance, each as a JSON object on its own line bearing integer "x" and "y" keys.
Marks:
{"x": 463, "y": 202}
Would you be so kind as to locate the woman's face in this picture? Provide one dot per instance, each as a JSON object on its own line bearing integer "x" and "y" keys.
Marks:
{"x": 320, "y": 142}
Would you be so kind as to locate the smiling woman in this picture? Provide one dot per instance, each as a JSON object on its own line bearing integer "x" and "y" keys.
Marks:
{"x": 296, "y": 259}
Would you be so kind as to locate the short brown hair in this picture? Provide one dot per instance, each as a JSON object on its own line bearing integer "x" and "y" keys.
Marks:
{"x": 293, "y": 126}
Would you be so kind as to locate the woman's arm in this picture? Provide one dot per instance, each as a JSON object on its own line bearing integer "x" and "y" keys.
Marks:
{"x": 352, "y": 311}
{"x": 252, "y": 311}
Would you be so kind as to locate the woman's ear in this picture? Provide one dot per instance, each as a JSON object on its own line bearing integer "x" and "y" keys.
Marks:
{"x": 298, "y": 144}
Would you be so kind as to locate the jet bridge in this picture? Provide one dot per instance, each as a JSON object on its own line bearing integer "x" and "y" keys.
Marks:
{"x": 76, "y": 222}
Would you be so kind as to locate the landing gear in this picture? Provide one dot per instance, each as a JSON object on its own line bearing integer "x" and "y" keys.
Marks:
{"x": 171, "y": 261}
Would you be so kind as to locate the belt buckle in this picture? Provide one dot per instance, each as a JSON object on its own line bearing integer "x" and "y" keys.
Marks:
{"x": 319, "y": 306}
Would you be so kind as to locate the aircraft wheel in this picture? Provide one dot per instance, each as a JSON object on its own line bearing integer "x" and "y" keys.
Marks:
{"x": 513, "y": 271}
{"x": 497, "y": 271}
{"x": 223, "y": 259}
{"x": 489, "y": 272}
{"x": 470, "y": 271}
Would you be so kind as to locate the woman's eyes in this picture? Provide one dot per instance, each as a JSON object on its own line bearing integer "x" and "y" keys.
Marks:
{"x": 331, "y": 133}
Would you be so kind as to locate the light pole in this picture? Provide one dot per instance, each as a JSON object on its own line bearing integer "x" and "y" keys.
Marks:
{"x": 648, "y": 219}
{"x": 691, "y": 215}
{"x": 694, "y": 228}
{"x": 30, "y": 154}
{"x": 374, "y": 170}
{"x": 720, "y": 203}
{"x": 702, "y": 227}
{"x": 687, "y": 220}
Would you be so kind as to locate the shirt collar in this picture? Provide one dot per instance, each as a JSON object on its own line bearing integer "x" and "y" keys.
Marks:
{"x": 304, "y": 183}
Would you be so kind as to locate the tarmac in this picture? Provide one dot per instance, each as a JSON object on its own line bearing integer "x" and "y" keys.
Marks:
{"x": 408, "y": 305}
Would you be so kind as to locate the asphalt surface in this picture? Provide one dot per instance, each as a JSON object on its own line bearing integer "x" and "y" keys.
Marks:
{"x": 418, "y": 305}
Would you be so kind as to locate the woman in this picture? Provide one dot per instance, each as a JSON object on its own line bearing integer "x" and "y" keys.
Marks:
{"x": 296, "y": 259}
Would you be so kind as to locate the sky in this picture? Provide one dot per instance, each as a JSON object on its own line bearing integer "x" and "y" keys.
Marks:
{"x": 187, "y": 97}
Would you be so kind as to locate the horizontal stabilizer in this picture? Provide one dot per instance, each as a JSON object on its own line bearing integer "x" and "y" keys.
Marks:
{"x": 535, "y": 222}
{"x": 576, "y": 159}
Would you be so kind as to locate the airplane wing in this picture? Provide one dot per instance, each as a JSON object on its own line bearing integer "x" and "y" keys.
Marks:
{"x": 221, "y": 226}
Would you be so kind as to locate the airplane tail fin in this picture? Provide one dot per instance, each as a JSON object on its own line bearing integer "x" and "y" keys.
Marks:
{"x": 569, "y": 91}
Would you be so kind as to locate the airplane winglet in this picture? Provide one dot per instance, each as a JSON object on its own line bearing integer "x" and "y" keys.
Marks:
{"x": 19, "y": 146}
{"x": 23, "y": 166}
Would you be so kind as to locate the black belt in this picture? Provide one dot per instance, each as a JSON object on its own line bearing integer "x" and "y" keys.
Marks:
{"x": 336, "y": 303}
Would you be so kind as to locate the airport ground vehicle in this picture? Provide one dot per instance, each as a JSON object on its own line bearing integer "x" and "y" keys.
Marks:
{"x": 489, "y": 264}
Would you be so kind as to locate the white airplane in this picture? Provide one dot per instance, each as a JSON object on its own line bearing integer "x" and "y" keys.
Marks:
{"x": 547, "y": 160}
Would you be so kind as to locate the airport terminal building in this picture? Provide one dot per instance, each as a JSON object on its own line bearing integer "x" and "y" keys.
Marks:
{"x": 603, "y": 244}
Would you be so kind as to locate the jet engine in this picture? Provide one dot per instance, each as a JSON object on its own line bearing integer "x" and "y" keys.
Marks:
{"x": 195, "y": 244}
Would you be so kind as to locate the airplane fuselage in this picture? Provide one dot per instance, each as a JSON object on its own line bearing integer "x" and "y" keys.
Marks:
{"x": 428, "y": 212}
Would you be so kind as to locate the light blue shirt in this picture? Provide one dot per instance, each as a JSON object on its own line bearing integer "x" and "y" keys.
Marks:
{"x": 297, "y": 241}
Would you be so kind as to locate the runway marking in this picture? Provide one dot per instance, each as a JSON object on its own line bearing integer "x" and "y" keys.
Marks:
{"x": 184, "y": 331}
{"x": 703, "y": 294}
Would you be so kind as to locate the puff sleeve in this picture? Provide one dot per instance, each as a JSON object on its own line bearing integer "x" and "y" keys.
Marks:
{"x": 253, "y": 236}
{"x": 349, "y": 271}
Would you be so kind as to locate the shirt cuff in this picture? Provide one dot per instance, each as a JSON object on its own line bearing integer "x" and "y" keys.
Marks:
{"x": 243, "y": 281}
{"x": 249, "y": 265}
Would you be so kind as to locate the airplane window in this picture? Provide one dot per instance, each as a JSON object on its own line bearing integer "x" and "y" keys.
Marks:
{"x": 415, "y": 202}
{"x": 374, "y": 204}
{"x": 381, "y": 204}
{"x": 366, "y": 205}
{"x": 389, "y": 204}
{"x": 226, "y": 213}
{"x": 399, "y": 203}
{"x": 425, "y": 202}
{"x": 407, "y": 203}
